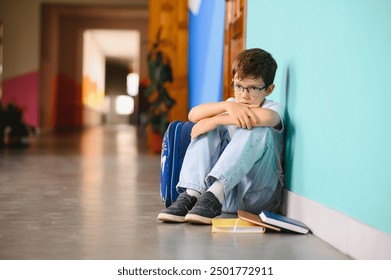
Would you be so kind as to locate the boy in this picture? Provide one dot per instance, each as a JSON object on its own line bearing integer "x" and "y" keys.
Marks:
{"x": 234, "y": 160}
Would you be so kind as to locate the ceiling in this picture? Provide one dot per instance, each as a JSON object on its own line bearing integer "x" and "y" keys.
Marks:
{"x": 122, "y": 45}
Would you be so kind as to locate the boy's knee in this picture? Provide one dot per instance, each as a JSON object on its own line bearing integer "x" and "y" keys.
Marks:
{"x": 256, "y": 135}
{"x": 258, "y": 130}
{"x": 263, "y": 131}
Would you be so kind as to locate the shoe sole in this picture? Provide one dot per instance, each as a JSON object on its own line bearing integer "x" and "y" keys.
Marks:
{"x": 170, "y": 218}
{"x": 197, "y": 219}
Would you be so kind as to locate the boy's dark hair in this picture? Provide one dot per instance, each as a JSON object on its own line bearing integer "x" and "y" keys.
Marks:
{"x": 255, "y": 63}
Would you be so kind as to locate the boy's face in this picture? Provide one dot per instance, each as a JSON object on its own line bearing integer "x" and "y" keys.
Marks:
{"x": 251, "y": 91}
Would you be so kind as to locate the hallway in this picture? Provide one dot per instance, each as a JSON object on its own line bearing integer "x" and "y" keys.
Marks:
{"x": 94, "y": 194}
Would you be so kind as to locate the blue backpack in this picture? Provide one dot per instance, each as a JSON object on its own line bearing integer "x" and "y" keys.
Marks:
{"x": 175, "y": 142}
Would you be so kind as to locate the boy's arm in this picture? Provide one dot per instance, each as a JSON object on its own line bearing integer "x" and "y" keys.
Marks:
{"x": 241, "y": 115}
{"x": 206, "y": 110}
{"x": 264, "y": 117}
{"x": 267, "y": 117}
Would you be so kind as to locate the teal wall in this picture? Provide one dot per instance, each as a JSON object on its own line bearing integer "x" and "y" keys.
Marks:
{"x": 334, "y": 77}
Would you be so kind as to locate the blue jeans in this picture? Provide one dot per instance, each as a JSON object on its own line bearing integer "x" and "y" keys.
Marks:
{"x": 244, "y": 164}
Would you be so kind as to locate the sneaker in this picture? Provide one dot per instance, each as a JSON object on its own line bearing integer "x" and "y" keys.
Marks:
{"x": 177, "y": 211}
{"x": 207, "y": 207}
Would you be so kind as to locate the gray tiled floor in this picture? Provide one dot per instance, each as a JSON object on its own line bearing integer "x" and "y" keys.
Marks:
{"x": 94, "y": 194}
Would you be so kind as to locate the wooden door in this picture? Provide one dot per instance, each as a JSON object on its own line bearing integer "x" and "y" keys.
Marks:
{"x": 234, "y": 42}
{"x": 1, "y": 60}
{"x": 172, "y": 17}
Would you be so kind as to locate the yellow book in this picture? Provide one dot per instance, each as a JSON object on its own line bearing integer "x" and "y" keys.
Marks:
{"x": 235, "y": 225}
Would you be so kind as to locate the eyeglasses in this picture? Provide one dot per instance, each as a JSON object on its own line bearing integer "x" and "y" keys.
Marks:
{"x": 253, "y": 91}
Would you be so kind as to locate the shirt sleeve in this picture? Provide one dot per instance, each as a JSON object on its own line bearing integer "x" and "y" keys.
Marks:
{"x": 278, "y": 108}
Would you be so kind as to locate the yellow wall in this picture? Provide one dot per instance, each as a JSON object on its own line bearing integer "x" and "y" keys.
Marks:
{"x": 93, "y": 85}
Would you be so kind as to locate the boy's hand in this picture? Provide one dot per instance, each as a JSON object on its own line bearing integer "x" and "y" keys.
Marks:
{"x": 203, "y": 126}
{"x": 242, "y": 114}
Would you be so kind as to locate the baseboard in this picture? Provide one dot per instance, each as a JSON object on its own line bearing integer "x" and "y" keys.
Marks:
{"x": 351, "y": 237}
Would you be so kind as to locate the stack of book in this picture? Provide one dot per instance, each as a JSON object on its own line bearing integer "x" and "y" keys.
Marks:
{"x": 252, "y": 223}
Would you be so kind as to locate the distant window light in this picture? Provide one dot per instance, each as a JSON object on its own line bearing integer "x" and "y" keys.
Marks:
{"x": 132, "y": 81}
{"x": 124, "y": 105}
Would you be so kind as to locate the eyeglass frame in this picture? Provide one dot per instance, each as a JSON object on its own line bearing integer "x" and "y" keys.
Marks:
{"x": 233, "y": 85}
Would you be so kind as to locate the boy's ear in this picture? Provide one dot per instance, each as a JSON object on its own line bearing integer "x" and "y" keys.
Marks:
{"x": 269, "y": 90}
